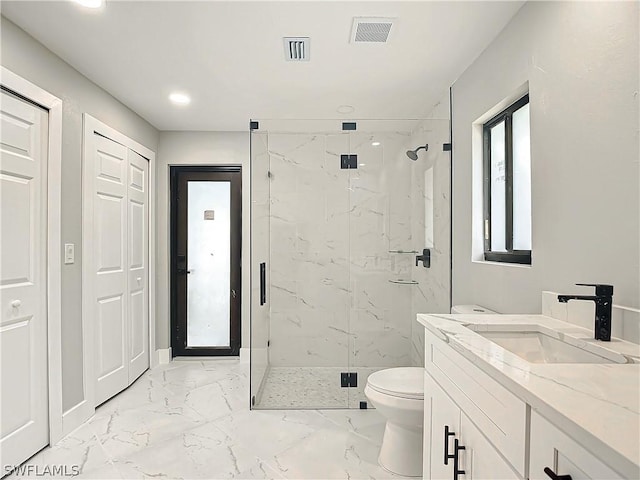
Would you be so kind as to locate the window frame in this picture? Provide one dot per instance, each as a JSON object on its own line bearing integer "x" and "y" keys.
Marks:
{"x": 511, "y": 255}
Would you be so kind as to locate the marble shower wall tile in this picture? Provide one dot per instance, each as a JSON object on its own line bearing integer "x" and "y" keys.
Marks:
{"x": 331, "y": 233}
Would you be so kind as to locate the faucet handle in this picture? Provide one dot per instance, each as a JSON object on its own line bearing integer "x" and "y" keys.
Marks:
{"x": 601, "y": 288}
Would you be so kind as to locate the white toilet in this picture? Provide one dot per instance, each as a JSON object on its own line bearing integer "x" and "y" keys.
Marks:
{"x": 470, "y": 309}
{"x": 398, "y": 394}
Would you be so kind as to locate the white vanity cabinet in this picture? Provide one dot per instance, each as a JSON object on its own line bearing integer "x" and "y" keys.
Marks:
{"x": 447, "y": 427}
{"x": 506, "y": 436}
{"x": 551, "y": 448}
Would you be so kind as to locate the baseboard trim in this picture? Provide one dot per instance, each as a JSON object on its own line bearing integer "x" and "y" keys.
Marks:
{"x": 76, "y": 416}
{"x": 245, "y": 355}
{"x": 163, "y": 356}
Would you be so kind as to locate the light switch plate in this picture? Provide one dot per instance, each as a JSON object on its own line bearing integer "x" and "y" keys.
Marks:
{"x": 69, "y": 253}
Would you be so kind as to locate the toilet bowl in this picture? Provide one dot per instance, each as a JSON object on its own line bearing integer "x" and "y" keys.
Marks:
{"x": 398, "y": 394}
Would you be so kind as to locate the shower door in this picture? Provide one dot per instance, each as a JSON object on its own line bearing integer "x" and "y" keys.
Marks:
{"x": 338, "y": 217}
{"x": 307, "y": 268}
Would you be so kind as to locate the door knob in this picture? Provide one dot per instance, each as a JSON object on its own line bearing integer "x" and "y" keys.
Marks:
{"x": 16, "y": 303}
{"x": 233, "y": 293}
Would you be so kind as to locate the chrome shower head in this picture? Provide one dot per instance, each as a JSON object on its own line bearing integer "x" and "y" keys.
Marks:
{"x": 413, "y": 154}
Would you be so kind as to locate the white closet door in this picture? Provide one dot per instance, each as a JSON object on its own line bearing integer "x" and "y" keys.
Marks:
{"x": 138, "y": 200}
{"x": 109, "y": 262}
{"x": 24, "y": 421}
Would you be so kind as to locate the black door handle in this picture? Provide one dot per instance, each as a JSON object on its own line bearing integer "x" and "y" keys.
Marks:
{"x": 456, "y": 459}
{"x": 263, "y": 283}
{"x": 551, "y": 474}
{"x": 425, "y": 258}
{"x": 183, "y": 271}
{"x": 447, "y": 434}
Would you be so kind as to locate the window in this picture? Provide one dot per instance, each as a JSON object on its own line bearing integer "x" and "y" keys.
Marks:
{"x": 507, "y": 185}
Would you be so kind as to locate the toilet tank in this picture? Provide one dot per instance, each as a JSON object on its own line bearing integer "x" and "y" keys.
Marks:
{"x": 465, "y": 309}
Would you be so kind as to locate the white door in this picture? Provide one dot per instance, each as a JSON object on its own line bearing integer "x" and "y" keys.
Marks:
{"x": 24, "y": 421}
{"x": 109, "y": 262}
{"x": 119, "y": 182}
{"x": 138, "y": 198}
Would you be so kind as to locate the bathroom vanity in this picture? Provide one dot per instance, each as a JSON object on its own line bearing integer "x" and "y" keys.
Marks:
{"x": 528, "y": 397}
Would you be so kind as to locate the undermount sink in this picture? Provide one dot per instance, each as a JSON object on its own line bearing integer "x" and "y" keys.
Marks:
{"x": 535, "y": 345}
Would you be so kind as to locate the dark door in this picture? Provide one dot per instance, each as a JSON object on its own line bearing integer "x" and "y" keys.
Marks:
{"x": 206, "y": 238}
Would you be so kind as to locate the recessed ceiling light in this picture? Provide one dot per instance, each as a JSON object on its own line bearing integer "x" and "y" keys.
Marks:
{"x": 375, "y": 144}
{"x": 90, "y": 3}
{"x": 345, "y": 109}
{"x": 179, "y": 98}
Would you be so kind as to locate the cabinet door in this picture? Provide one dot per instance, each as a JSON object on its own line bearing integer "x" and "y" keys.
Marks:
{"x": 554, "y": 449}
{"x": 480, "y": 460}
{"x": 444, "y": 414}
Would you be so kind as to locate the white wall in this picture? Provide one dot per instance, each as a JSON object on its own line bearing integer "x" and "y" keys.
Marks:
{"x": 197, "y": 148}
{"x": 23, "y": 55}
{"x": 580, "y": 60}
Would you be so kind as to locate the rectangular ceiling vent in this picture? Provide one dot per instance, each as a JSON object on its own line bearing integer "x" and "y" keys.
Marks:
{"x": 371, "y": 29}
{"x": 296, "y": 49}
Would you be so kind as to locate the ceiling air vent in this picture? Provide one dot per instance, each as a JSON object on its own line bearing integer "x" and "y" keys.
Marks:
{"x": 371, "y": 29}
{"x": 296, "y": 49}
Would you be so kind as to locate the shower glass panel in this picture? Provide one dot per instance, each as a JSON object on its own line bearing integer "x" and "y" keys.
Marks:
{"x": 338, "y": 218}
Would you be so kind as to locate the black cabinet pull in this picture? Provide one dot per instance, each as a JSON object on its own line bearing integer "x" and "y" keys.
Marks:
{"x": 553, "y": 476}
{"x": 456, "y": 459}
{"x": 447, "y": 434}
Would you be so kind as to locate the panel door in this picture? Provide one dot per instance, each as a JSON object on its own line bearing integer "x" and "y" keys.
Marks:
{"x": 24, "y": 421}
{"x": 444, "y": 414}
{"x": 138, "y": 265}
{"x": 109, "y": 260}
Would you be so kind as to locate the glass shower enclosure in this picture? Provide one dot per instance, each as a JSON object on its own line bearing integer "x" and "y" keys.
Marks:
{"x": 339, "y": 213}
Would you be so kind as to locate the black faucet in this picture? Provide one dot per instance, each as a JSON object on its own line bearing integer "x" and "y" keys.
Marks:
{"x": 603, "y": 301}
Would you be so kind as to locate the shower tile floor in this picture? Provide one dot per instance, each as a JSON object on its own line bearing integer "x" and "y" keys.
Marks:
{"x": 191, "y": 419}
{"x": 311, "y": 387}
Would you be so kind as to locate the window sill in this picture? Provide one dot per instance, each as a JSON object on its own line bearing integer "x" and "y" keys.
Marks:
{"x": 502, "y": 264}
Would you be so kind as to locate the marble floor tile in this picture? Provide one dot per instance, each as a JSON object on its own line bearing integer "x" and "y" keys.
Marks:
{"x": 203, "y": 452}
{"x": 124, "y": 432}
{"x": 191, "y": 420}
{"x": 352, "y": 456}
{"x": 80, "y": 450}
{"x": 267, "y": 433}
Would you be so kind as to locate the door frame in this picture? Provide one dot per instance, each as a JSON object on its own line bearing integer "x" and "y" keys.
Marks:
{"x": 34, "y": 94}
{"x": 91, "y": 126}
{"x": 236, "y": 275}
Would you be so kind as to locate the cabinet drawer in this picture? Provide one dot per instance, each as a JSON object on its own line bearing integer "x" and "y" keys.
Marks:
{"x": 498, "y": 414}
{"x": 554, "y": 449}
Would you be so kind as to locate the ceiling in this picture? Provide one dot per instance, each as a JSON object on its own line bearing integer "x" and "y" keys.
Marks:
{"x": 229, "y": 56}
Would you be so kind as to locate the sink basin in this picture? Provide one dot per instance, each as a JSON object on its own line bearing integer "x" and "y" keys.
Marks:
{"x": 536, "y": 344}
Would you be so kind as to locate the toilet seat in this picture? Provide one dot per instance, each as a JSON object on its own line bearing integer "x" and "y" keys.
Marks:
{"x": 402, "y": 382}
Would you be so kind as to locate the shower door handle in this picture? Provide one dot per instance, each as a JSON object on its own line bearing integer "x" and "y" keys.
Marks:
{"x": 263, "y": 283}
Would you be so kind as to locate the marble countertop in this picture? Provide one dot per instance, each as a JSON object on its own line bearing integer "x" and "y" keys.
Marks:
{"x": 597, "y": 404}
